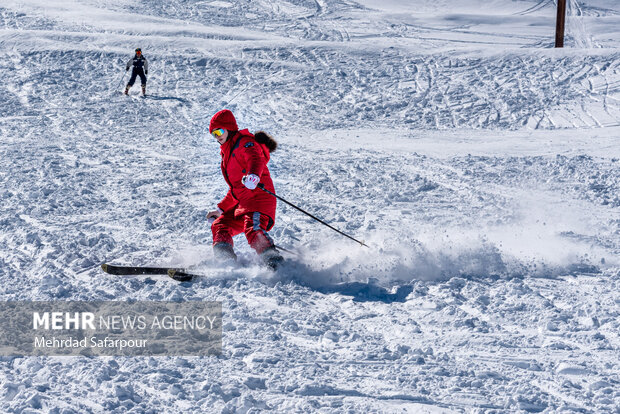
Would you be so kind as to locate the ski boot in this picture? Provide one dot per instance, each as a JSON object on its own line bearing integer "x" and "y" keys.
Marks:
{"x": 143, "y": 90}
{"x": 127, "y": 89}
{"x": 272, "y": 258}
{"x": 224, "y": 252}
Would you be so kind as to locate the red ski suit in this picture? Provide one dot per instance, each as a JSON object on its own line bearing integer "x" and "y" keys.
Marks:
{"x": 244, "y": 210}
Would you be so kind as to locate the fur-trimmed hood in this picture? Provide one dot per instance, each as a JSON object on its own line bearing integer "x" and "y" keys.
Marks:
{"x": 264, "y": 138}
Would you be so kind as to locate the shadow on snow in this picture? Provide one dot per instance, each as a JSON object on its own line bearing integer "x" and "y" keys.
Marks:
{"x": 166, "y": 98}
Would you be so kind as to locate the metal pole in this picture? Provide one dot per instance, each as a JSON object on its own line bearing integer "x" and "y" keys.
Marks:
{"x": 559, "y": 24}
{"x": 262, "y": 187}
{"x": 121, "y": 82}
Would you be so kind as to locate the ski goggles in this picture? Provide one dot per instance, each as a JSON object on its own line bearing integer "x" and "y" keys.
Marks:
{"x": 217, "y": 133}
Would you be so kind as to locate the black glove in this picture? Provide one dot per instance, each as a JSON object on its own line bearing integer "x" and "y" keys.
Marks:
{"x": 146, "y": 72}
{"x": 126, "y": 69}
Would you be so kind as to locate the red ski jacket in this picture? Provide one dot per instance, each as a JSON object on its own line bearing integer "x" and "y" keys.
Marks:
{"x": 242, "y": 155}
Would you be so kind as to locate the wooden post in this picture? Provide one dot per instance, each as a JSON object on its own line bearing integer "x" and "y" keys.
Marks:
{"x": 559, "y": 24}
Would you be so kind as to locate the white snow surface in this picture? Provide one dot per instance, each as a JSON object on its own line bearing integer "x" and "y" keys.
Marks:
{"x": 480, "y": 165}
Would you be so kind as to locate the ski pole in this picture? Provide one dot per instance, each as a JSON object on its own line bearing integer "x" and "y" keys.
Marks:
{"x": 286, "y": 250}
{"x": 121, "y": 82}
{"x": 262, "y": 187}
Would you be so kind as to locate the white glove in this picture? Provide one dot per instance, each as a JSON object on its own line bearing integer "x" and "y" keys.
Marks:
{"x": 250, "y": 181}
{"x": 212, "y": 215}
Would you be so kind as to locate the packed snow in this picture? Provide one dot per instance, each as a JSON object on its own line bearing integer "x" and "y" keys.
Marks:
{"x": 480, "y": 164}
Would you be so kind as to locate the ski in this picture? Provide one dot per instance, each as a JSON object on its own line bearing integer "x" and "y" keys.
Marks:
{"x": 180, "y": 275}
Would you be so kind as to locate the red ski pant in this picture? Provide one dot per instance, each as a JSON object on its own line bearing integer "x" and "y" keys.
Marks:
{"x": 254, "y": 225}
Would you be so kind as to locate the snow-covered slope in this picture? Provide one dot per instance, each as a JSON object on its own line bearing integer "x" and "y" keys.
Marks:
{"x": 481, "y": 165}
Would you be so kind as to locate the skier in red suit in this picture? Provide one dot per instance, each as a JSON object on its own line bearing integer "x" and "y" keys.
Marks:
{"x": 244, "y": 208}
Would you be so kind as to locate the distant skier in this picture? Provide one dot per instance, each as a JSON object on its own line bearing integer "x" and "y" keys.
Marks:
{"x": 140, "y": 68}
{"x": 244, "y": 208}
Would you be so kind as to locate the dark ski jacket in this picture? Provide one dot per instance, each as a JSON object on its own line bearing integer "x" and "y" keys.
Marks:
{"x": 243, "y": 154}
{"x": 138, "y": 62}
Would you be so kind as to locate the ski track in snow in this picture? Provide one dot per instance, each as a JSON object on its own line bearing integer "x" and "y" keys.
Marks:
{"x": 480, "y": 165}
